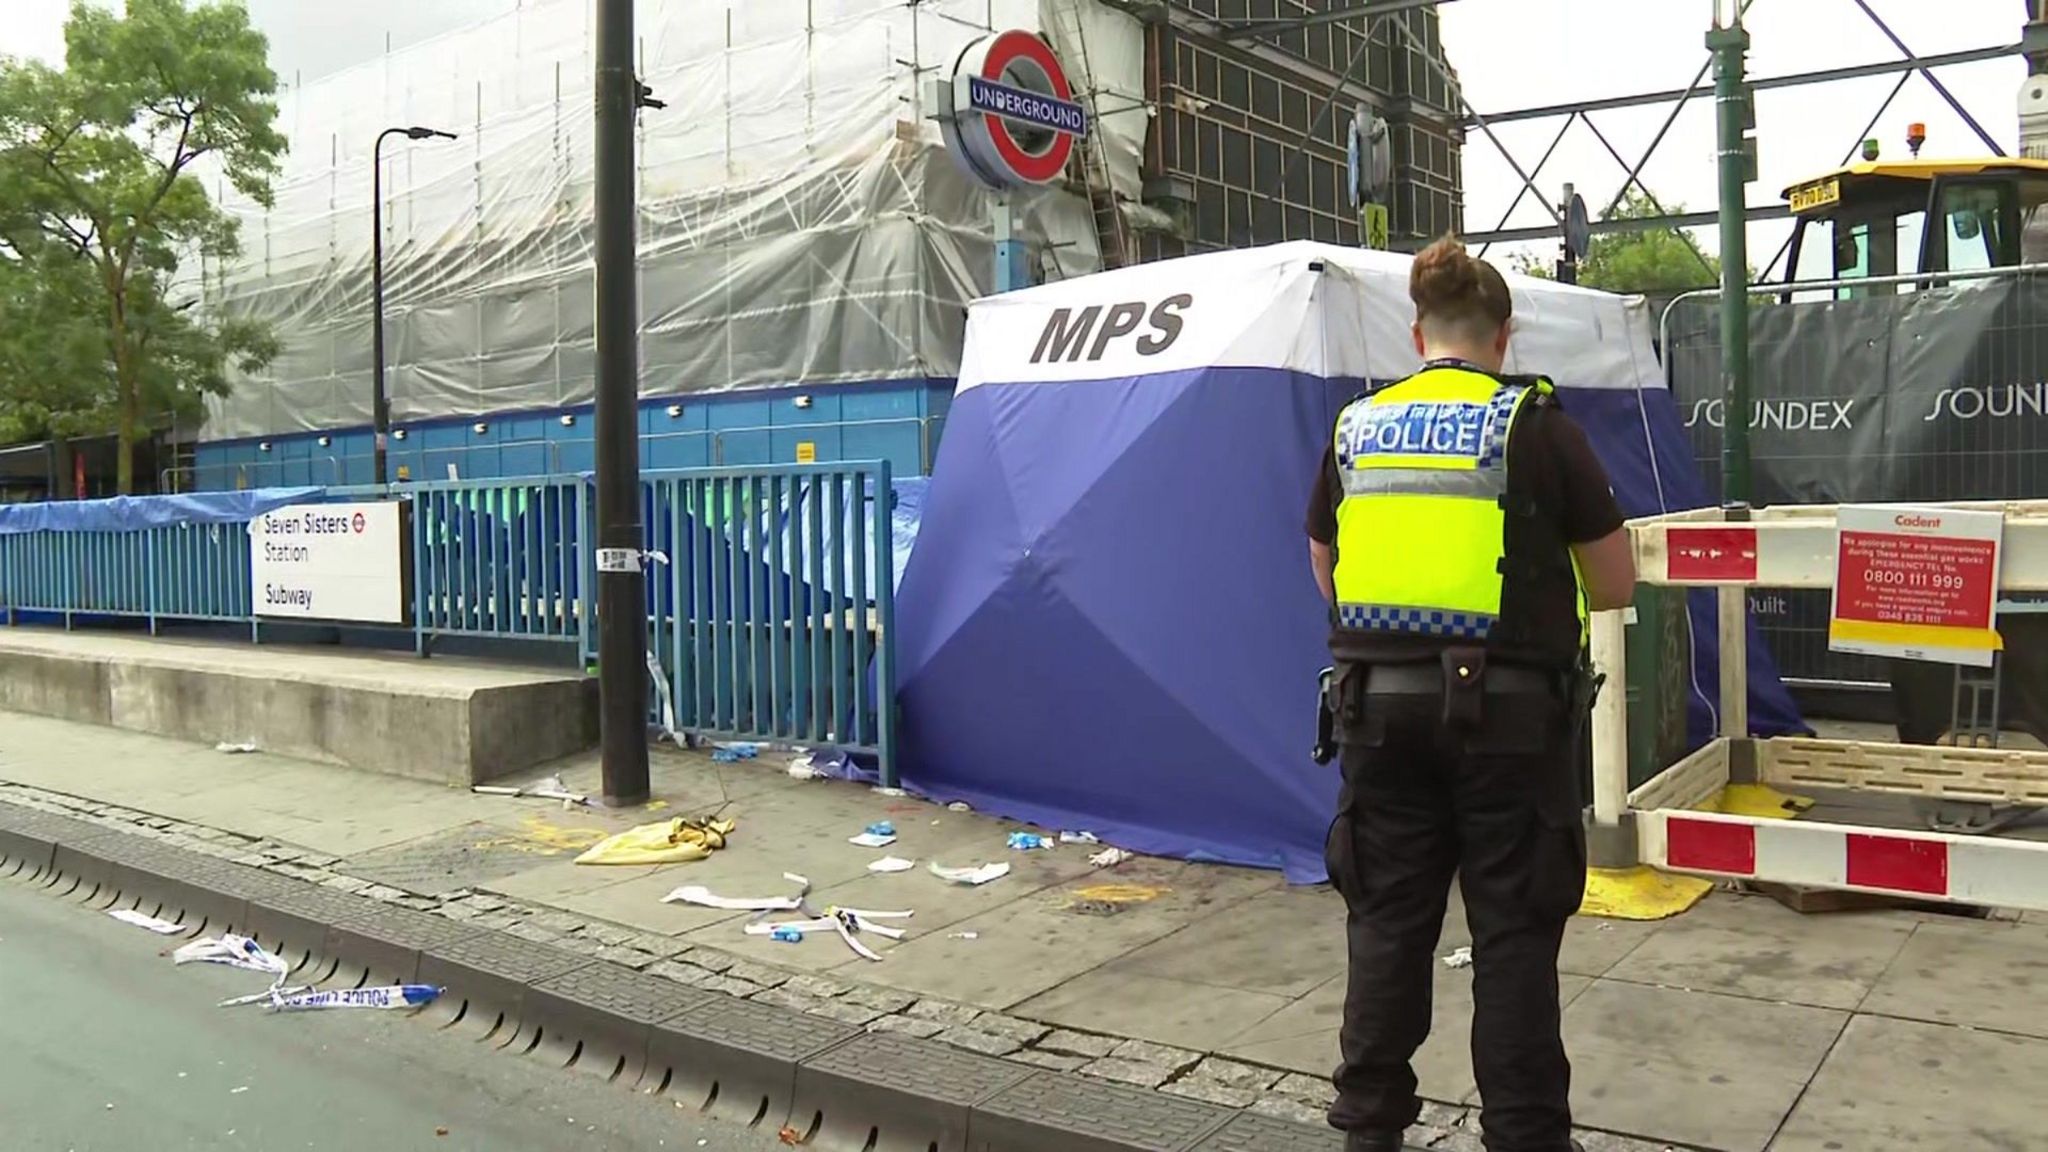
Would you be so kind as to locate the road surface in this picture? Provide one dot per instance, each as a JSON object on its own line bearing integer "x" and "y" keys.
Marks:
{"x": 105, "y": 1046}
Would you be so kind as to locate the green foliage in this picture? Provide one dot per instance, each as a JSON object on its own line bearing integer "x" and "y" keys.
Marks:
{"x": 101, "y": 203}
{"x": 1654, "y": 261}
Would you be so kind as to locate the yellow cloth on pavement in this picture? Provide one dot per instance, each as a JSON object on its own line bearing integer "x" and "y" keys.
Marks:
{"x": 1759, "y": 800}
{"x": 677, "y": 841}
{"x": 1640, "y": 893}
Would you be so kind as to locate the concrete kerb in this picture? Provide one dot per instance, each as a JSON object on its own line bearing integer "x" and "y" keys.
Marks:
{"x": 838, "y": 1087}
{"x": 713, "y": 1031}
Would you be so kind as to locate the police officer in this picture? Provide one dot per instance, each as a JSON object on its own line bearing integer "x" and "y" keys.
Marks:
{"x": 1461, "y": 528}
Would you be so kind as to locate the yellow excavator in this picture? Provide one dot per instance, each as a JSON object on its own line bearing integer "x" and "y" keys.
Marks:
{"x": 1872, "y": 219}
{"x": 1922, "y": 221}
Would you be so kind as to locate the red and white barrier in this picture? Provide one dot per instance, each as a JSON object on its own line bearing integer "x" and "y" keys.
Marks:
{"x": 1796, "y": 548}
{"x": 1920, "y": 865}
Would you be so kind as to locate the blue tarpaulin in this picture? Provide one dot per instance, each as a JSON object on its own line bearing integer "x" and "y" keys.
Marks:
{"x": 134, "y": 513}
{"x": 1109, "y": 622}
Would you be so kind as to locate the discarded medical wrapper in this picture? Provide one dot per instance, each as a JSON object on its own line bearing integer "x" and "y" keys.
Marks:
{"x": 880, "y": 834}
{"x": 891, "y": 864}
{"x": 551, "y": 788}
{"x": 160, "y": 927}
{"x": 1459, "y": 958}
{"x": 394, "y": 996}
{"x": 1110, "y": 857}
{"x": 784, "y": 934}
{"x": 230, "y": 949}
{"x": 728, "y": 753}
{"x": 1079, "y": 838}
{"x": 1027, "y": 841}
{"x": 977, "y": 875}
{"x": 847, "y": 922}
{"x": 675, "y": 841}
{"x": 704, "y": 898}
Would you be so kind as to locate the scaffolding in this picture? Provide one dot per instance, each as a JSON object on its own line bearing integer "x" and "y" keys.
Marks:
{"x": 799, "y": 219}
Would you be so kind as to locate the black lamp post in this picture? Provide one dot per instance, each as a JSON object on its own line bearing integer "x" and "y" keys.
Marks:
{"x": 380, "y": 403}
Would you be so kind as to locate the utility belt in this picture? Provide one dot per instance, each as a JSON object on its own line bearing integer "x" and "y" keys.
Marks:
{"x": 1462, "y": 678}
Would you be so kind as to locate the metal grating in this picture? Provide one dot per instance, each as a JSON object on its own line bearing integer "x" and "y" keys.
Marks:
{"x": 608, "y": 990}
{"x": 1076, "y": 1114}
{"x": 925, "y": 1068}
{"x": 405, "y": 927}
{"x": 505, "y": 957}
{"x": 1251, "y": 1132}
{"x": 887, "y": 1093}
{"x": 757, "y": 1028}
{"x": 48, "y": 825}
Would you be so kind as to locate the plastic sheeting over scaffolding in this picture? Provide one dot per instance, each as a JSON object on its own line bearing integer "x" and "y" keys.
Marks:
{"x": 799, "y": 222}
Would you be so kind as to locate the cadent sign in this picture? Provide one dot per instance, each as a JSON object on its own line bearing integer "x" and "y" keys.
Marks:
{"x": 1008, "y": 112}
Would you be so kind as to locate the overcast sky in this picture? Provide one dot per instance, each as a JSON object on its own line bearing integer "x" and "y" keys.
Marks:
{"x": 1509, "y": 53}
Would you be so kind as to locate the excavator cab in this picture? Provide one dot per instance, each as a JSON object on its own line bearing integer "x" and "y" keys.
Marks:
{"x": 1872, "y": 220}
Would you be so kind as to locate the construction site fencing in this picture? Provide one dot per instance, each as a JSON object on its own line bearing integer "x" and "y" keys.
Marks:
{"x": 770, "y": 591}
{"x": 411, "y": 461}
{"x": 1896, "y": 389}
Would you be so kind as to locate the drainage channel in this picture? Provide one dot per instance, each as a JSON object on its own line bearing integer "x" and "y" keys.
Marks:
{"x": 822, "y": 1083}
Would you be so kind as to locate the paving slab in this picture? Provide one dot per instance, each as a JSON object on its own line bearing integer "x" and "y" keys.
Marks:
{"x": 1698, "y": 1068}
{"x": 1907, "y": 1084}
{"x": 1131, "y": 1003}
{"x": 1286, "y": 943}
{"x": 1593, "y": 946}
{"x": 1303, "y": 1036}
{"x": 940, "y": 908}
{"x": 1985, "y": 975}
{"x": 1033, "y": 945}
{"x": 1754, "y": 946}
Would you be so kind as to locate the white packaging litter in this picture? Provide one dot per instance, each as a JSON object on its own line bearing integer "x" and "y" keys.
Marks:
{"x": 705, "y": 898}
{"x": 972, "y": 876}
{"x": 160, "y": 927}
{"x": 891, "y": 864}
{"x": 232, "y": 950}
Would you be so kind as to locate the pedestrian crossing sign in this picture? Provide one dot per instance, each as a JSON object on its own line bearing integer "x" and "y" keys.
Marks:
{"x": 1375, "y": 226}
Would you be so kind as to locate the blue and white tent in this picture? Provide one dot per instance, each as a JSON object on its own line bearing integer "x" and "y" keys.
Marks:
{"x": 1109, "y": 622}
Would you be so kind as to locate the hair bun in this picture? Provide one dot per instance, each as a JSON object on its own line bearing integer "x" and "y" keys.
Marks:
{"x": 1443, "y": 277}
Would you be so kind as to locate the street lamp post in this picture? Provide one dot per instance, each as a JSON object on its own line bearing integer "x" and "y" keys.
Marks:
{"x": 380, "y": 401}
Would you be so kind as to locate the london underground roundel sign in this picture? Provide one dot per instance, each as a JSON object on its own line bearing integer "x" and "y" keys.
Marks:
{"x": 1013, "y": 118}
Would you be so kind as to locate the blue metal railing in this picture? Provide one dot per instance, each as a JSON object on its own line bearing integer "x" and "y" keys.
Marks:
{"x": 774, "y": 611}
{"x": 500, "y": 559}
{"x": 170, "y": 572}
{"x": 771, "y": 614}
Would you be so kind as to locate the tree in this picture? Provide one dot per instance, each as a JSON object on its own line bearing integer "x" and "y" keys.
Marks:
{"x": 1653, "y": 261}
{"x": 98, "y": 168}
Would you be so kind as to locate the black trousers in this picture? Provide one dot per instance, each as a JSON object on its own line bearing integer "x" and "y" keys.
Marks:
{"x": 1496, "y": 805}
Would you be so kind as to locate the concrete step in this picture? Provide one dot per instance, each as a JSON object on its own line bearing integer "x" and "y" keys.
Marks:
{"x": 449, "y": 720}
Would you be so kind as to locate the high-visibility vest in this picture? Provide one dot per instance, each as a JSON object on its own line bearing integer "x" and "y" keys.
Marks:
{"x": 1421, "y": 528}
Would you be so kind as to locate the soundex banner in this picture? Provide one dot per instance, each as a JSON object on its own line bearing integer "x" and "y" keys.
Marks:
{"x": 1938, "y": 395}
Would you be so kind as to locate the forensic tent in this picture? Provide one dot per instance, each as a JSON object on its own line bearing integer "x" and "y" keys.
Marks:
{"x": 1109, "y": 621}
